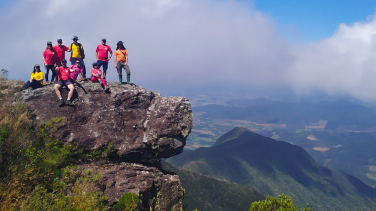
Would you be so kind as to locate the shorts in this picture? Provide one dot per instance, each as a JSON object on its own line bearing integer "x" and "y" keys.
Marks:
{"x": 64, "y": 82}
{"x": 105, "y": 65}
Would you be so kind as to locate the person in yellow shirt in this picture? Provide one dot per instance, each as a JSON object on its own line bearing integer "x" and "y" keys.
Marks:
{"x": 77, "y": 54}
{"x": 36, "y": 79}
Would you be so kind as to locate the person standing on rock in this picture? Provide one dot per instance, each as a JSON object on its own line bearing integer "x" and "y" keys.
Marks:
{"x": 49, "y": 60}
{"x": 121, "y": 61}
{"x": 60, "y": 51}
{"x": 102, "y": 56}
{"x": 36, "y": 79}
{"x": 96, "y": 76}
{"x": 77, "y": 54}
{"x": 63, "y": 73}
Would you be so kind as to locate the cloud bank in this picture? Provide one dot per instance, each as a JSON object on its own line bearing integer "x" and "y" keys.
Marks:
{"x": 180, "y": 44}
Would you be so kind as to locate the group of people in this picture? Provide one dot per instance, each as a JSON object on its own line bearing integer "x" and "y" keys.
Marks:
{"x": 62, "y": 75}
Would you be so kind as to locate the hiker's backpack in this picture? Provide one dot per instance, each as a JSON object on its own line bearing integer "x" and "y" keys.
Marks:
{"x": 81, "y": 52}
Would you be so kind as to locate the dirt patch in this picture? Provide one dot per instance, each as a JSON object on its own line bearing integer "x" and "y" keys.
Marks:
{"x": 207, "y": 132}
{"x": 321, "y": 149}
{"x": 372, "y": 168}
{"x": 312, "y": 138}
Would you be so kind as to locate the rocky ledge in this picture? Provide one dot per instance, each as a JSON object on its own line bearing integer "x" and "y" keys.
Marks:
{"x": 140, "y": 124}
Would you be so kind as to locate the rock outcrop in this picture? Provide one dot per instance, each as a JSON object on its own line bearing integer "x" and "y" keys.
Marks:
{"x": 156, "y": 190}
{"x": 137, "y": 123}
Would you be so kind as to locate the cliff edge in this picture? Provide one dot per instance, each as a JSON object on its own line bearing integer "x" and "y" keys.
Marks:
{"x": 137, "y": 124}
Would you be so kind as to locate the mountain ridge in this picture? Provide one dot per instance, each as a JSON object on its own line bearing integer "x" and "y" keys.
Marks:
{"x": 276, "y": 167}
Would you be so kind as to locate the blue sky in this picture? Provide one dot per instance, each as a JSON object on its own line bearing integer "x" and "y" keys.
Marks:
{"x": 313, "y": 20}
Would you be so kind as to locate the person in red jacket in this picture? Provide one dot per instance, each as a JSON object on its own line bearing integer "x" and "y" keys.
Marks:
{"x": 60, "y": 51}
{"x": 63, "y": 73}
{"x": 49, "y": 60}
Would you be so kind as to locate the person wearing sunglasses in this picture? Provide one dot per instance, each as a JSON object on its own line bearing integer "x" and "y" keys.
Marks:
{"x": 75, "y": 70}
{"x": 49, "y": 60}
{"x": 60, "y": 51}
{"x": 36, "y": 79}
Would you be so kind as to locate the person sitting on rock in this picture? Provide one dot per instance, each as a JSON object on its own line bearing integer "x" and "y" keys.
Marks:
{"x": 96, "y": 75}
{"x": 36, "y": 79}
{"x": 75, "y": 70}
{"x": 63, "y": 73}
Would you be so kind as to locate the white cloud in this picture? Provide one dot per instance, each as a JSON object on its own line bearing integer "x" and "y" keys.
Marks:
{"x": 342, "y": 64}
{"x": 171, "y": 42}
{"x": 178, "y": 44}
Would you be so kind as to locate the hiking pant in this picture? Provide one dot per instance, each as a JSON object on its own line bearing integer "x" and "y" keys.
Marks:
{"x": 96, "y": 79}
{"x": 105, "y": 65}
{"x": 34, "y": 84}
{"x": 52, "y": 68}
{"x": 120, "y": 66}
{"x": 73, "y": 62}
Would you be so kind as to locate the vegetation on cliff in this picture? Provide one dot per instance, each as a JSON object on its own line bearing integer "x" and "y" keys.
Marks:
{"x": 206, "y": 193}
{"x": 31, "y": 159}
{"x": 283, "y": 202}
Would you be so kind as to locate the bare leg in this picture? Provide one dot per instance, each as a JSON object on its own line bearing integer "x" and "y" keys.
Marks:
{"x": 71, "y": 89}
{"x": 57, "y": 87}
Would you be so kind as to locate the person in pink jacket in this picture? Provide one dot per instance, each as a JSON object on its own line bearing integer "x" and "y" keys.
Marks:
{"x": 96, "y": 76}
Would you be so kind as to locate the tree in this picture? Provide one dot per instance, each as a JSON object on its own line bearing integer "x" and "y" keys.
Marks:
{"x": 4, "y": 73}
{"x": 283, "y": 203}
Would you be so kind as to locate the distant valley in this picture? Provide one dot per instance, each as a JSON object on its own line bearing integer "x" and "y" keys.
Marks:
{"x": 276, "y": 167}
{"x": 338, "y": 134}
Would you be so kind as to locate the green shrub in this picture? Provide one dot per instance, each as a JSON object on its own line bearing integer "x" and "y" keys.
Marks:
{"x": 68, "y": 195}
{"x": 128, "y": 202}
{"x": 283, "y": 203}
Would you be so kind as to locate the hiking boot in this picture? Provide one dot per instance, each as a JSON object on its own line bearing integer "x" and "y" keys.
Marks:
{"x": 52, "y": 82}
{"x": 47, "y": 82}
{"x": 69, "y": 102}
{"x": 61, "y": 103}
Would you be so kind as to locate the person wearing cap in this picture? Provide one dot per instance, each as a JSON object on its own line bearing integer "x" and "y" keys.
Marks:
{"x": 77, "y": 53}
{"x": 49, "y": 60}
{"x": 96, "y": 76}
{"x": 102, "y": 56}
{"x": 121, "y": 61}
{"x": 60, "y": 51}
{"x": 63, "y": 73}
{"x": 36, "y": 79}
